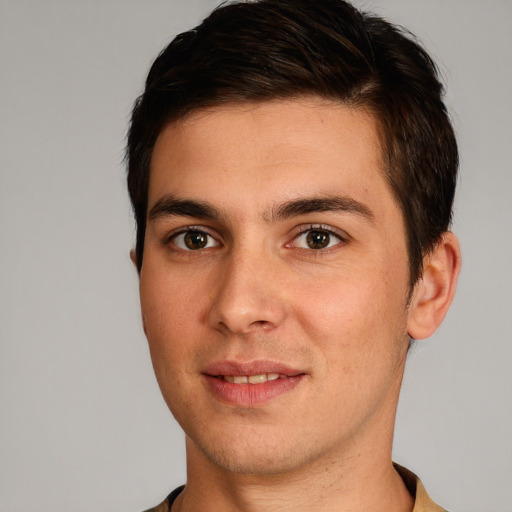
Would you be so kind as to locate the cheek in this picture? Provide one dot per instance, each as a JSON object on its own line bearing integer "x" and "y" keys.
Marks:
{"x": 169, "y": 298}
{"x": 167, "y": 320}
{"x": 352, "y": 317}
{"x": 167, "y": 316}
{"x": 335, "y": 306}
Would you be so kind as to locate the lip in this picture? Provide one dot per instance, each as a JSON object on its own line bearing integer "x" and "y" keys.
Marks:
{"x": 250, "y": 395}
{"x": 250, "y": 368}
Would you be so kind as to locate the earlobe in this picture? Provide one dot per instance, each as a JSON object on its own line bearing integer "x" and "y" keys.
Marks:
{"x": 133, "y": 257}
{"x": 434, "y": 292}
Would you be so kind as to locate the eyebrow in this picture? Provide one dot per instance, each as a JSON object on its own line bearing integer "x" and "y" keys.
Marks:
{"x": 321, "y": 204}
{"x": 173, "y": 206}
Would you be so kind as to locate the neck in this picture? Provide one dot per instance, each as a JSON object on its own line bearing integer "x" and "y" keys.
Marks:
{"x": 357, "y": 482}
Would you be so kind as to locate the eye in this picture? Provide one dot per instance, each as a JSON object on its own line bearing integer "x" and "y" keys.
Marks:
{"x": 317, "y": 239}
{"x": 193, "y": 240}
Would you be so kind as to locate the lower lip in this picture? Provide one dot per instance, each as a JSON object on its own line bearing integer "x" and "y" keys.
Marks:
{"x": 251, "y": 395}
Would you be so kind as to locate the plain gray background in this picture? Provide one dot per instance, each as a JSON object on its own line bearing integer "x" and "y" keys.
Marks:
{"x": 82, "y": 424}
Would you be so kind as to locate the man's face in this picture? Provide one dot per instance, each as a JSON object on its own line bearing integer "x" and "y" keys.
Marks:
{"x": 274, "y": 284}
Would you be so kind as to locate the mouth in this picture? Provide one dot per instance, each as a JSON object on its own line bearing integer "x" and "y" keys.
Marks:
{"x": 250, "y": 385}
{"x": 251, "y": 379}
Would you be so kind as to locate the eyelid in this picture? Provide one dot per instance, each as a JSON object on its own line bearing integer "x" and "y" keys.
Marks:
{"x": 303, "y": 228}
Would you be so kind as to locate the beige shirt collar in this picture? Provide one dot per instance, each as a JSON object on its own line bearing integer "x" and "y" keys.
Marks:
{"x": 422, "y": 501}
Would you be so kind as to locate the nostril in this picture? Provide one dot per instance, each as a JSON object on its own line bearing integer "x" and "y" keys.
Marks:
{"x": 263, "y": 324}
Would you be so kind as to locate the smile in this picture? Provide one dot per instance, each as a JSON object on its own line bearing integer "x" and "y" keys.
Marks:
{"x": 250, "y": 384}
{"x": 252, "y": 379}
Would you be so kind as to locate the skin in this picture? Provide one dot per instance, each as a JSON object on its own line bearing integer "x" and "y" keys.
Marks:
{"x": 341, "y": 315}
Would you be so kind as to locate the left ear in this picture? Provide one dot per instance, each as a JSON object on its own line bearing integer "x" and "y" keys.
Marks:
{"x": 434, "y": 292}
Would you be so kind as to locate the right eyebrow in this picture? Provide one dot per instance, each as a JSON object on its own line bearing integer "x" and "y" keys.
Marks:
{"x": 169, "y": 206}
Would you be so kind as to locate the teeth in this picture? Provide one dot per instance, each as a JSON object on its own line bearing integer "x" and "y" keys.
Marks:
{"x": 252, "y": 379}
{"x": 256, "y": 379}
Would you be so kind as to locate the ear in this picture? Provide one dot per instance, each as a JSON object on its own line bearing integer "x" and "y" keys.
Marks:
{"x": 434, "y": 292}
{"x": 133, "y": 257}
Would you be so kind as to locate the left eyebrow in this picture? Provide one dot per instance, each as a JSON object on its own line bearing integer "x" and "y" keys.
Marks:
{"x": 303, "y": 206}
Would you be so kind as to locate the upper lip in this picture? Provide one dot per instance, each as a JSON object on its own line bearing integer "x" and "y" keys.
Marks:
{"x": 257, "y": 367}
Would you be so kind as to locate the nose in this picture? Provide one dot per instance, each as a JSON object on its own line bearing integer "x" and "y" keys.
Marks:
{"x": 248, "y": 296}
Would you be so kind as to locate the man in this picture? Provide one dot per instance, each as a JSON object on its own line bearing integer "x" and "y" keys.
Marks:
{"x": 292, "y": 170}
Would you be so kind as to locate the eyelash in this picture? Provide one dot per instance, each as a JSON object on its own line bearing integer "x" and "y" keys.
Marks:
{"x": 303, "y": 230}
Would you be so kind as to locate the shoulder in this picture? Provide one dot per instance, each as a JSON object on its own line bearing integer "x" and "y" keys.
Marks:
{"x": 163, "y": 507}
{"x": 422, "y": 501}
{"x": 166, "y": 505}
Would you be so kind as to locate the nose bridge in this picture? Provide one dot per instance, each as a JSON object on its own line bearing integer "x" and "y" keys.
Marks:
{"x": 247, "y": 295}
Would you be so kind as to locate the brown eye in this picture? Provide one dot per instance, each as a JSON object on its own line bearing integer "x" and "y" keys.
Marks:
{"x": 318, "y": 239}
{"x": 194, "y": 240}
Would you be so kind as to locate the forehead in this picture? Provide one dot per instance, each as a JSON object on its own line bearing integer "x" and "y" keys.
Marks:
{"x": 270, "y": 152}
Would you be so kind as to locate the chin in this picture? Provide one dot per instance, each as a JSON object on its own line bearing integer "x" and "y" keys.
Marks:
{"x": 256, "y": 456}
{"x": 244, "y": 463}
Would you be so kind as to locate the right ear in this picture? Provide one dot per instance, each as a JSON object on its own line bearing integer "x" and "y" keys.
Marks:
{"x": 133, "y": 257}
